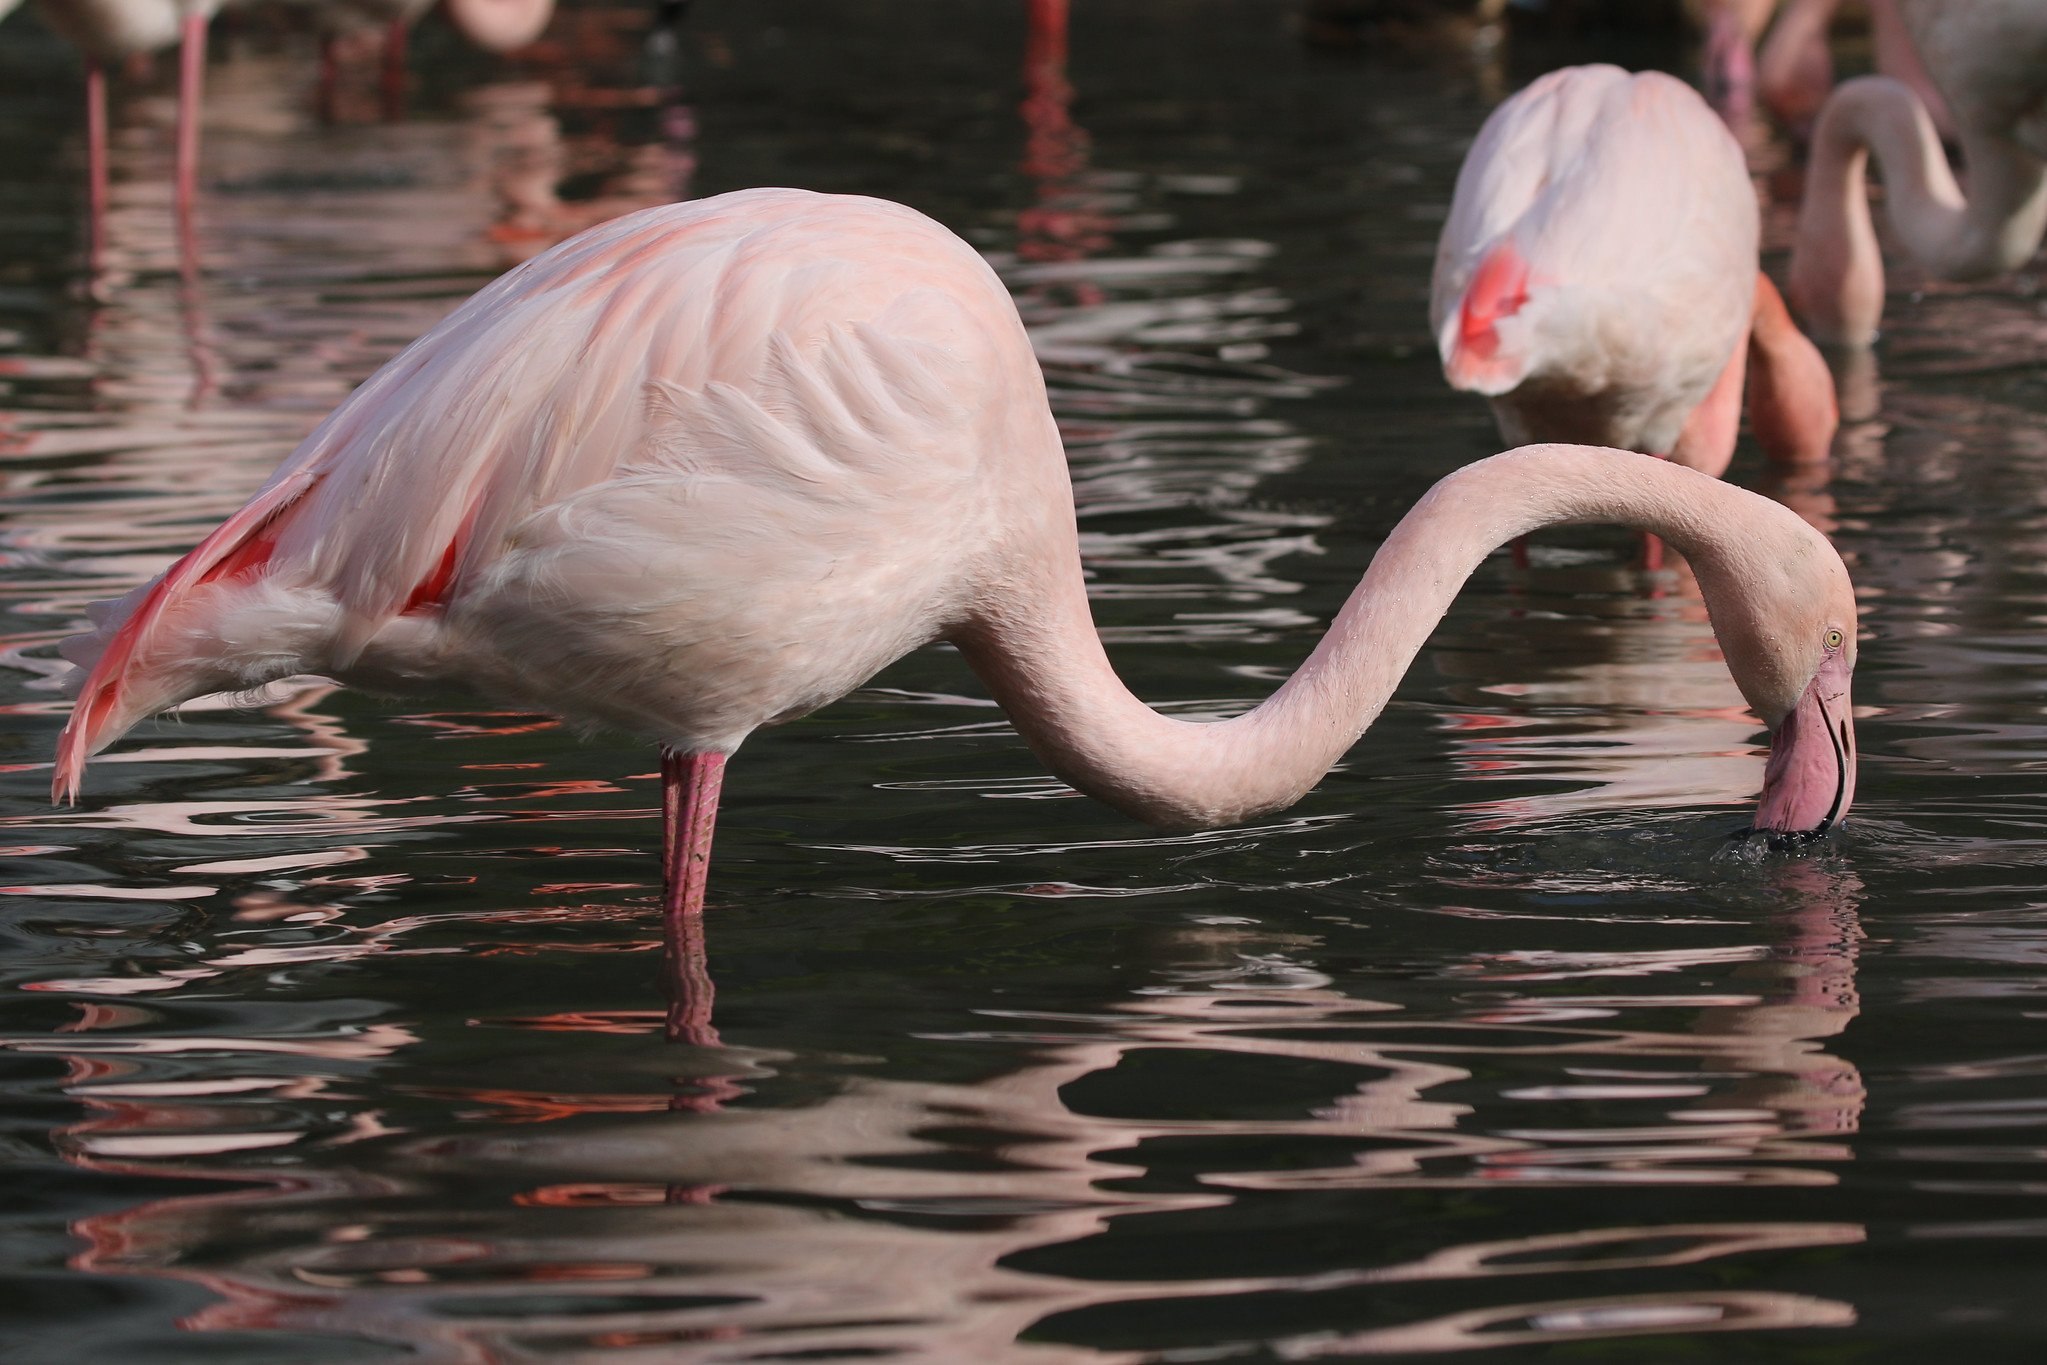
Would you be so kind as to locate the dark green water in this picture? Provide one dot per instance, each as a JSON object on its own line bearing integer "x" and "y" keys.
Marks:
{"x": 330, "y": 1030}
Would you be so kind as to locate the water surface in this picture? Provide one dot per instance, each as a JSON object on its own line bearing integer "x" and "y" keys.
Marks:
{"x": 330, "y": 1028}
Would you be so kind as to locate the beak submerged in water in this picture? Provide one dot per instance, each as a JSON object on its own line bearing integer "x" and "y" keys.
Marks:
{"x": 1810, "y": 781}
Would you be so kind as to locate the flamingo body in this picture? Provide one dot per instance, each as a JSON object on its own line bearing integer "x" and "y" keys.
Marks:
{"x": 109, "y": 31}
{"x": 1597, "y": 276}
{"x": 691, "y": 474}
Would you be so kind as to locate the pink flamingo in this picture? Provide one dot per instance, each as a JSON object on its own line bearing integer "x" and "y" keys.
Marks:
{"x": 1597, "y": 279}
{"x": 109, "y": 31}
{"x": 1990, "y": 56}
{"x": 710, "y": 466}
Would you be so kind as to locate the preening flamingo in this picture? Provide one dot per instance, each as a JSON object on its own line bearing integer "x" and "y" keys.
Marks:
{"x": 1597, "y": 279}
{"x": 1990, "y": 57}
{"x": 709, "y": 466}
{"x": 109, "y": 31}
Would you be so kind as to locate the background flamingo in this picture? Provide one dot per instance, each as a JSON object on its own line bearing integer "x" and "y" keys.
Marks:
{"x": 493, "y": 25}
{"x": 712, "y": 465}
{"x": 109, "y": 31}
{"x": 1990, "y": 57}
{"x": 1597, "y": 279}
{"x": 1794, "y": 69}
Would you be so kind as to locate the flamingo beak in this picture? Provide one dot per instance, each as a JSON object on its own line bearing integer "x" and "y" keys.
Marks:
{"x": 1810, "y": 781}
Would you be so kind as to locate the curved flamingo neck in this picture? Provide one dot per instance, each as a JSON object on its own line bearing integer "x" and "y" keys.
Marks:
{"x": 1792, "y": 406}
{"x": 1836, "y": 276}
{"x": 1037, "y": 649}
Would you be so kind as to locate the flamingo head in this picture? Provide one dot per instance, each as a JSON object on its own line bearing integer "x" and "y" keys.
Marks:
{"x": 1785, "y": 616}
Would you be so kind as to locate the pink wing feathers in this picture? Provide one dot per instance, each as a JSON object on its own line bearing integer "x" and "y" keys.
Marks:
{"x": 561, "y": 376}
{"x": 499, "y": 407}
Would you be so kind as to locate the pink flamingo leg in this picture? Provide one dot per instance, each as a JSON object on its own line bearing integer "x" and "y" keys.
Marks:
{"x": 690, "y": 784}
{"x": 191, "y": 88}
{"x": 330, "y": 80}
{"x": 394, "y": 70}
{"x": 1730, "y": 66}
{"x": 96, "y": 156}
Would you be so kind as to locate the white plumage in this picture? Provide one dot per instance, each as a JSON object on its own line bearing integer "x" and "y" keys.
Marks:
{"x": 1597, "y": 276}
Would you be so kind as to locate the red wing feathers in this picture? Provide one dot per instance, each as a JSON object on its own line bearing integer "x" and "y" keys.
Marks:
{"x": 241, "y": 545}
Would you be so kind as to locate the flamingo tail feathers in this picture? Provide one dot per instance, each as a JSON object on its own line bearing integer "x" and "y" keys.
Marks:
{"x": 1497, "y": 291}
{"x": 242, "y": 544}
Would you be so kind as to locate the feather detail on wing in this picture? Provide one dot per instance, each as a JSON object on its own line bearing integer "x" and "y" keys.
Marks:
{"x": 773, "y": 353}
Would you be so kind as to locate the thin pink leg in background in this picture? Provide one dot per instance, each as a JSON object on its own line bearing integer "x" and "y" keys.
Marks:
{"x": 96, "y": 157}
{"x": 191, "y": 89}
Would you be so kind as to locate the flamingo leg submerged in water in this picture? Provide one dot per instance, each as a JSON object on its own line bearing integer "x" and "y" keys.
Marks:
{"x": 690, "y": 785}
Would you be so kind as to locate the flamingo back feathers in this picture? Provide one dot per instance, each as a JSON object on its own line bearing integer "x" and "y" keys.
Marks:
{"x": 782, "y": 367}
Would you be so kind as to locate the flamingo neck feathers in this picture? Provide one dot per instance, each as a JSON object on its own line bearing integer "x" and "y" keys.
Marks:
{"x": 1037, "y": 649}
{"x": 1836, "y": 273}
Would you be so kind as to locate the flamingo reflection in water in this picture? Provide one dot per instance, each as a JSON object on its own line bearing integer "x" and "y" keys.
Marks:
{"x": 1636, "y": 712}
{"x": 798, "y": 1220}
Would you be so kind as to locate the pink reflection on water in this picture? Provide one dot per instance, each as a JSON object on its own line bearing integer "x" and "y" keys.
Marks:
{"x": 785, "y": 1225}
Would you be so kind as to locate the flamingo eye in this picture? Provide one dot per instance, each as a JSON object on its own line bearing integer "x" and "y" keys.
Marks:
{"x": 1834, "y": 639}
